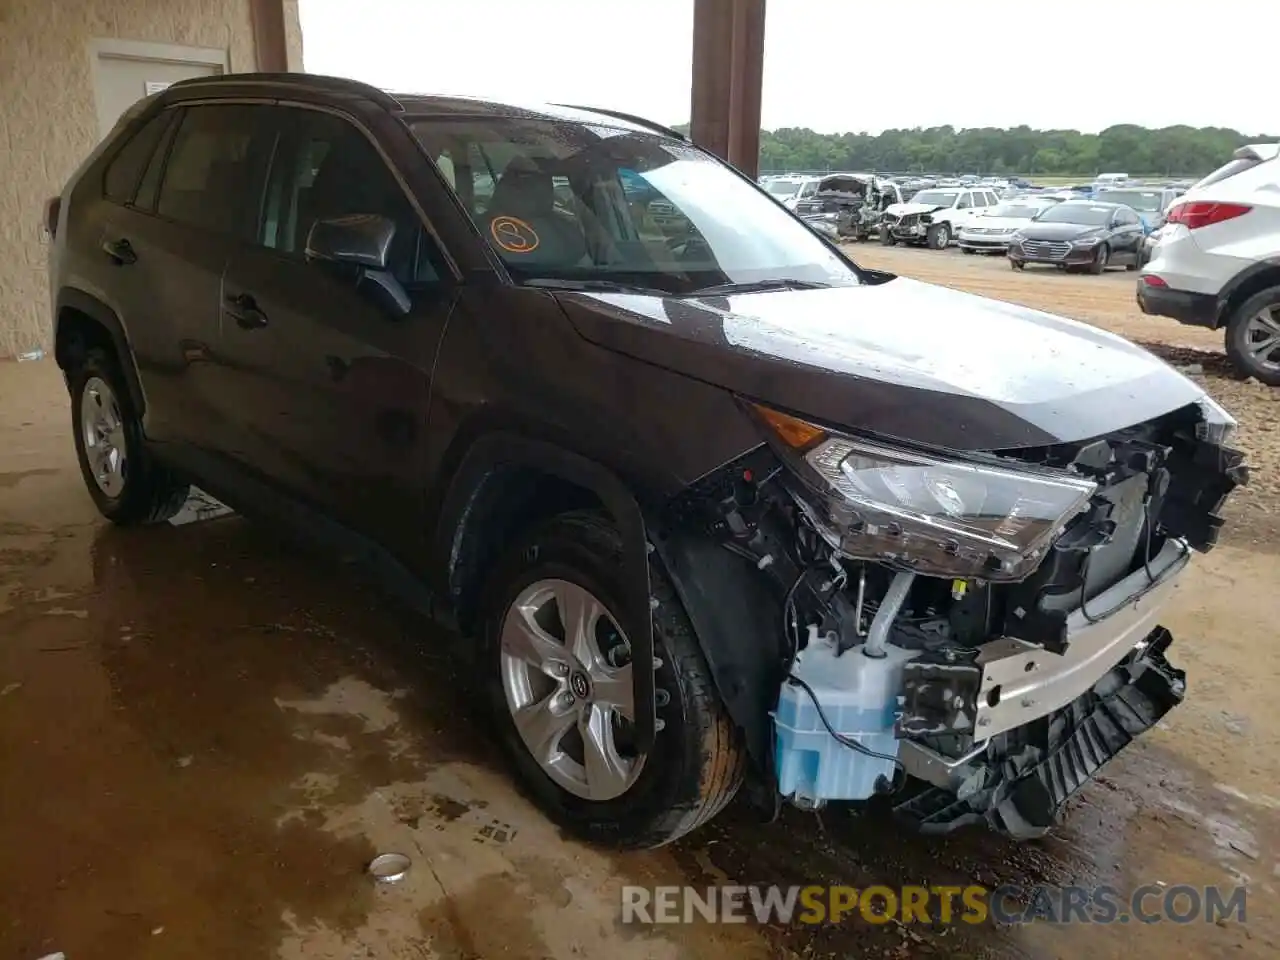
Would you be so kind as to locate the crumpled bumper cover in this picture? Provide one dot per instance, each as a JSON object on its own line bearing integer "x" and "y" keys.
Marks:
{"x": 1026, "y": 776}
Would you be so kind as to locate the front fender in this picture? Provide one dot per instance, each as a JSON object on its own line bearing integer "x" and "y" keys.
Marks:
{"x": 498, "y": 449}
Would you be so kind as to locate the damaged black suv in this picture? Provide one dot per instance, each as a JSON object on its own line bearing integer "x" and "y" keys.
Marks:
{"x": 712, "y": 503}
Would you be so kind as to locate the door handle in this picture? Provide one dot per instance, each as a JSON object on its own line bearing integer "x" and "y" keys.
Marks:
{"x": 243, "y": 309}
{"x": 121, "y": 251}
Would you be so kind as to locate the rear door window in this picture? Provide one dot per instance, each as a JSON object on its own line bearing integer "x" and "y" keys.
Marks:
{"x": 120, "y": 182}
{"x": 207, "y": 176}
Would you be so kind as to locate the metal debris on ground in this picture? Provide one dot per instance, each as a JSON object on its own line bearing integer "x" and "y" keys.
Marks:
{"x": 199, "y": 506}
{"x": 31, "y": 355}
{"x": 389, "y": 867}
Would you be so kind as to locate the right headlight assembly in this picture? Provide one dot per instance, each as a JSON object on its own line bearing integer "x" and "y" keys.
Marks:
{"x": 937, "y": 515}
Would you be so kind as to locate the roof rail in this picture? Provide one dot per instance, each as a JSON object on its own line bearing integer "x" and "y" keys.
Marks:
{"x": 629, "y": 118}
{"x": 313, "y": 81}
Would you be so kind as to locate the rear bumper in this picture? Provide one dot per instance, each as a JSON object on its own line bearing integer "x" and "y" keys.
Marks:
{"x": 1196, "y": 309}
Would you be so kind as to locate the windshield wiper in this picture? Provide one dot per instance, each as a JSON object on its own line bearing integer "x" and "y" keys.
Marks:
{"x": 593, "y": 286}
{"x": 755, "y": 286}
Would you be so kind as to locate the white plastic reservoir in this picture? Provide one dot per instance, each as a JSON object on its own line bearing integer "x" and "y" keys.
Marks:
{"x": 859, "y": 695}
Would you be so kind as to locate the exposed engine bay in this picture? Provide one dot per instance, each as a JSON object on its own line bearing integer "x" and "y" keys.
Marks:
{"x": 973, "y": 635}
{"x": 907, "y": 227}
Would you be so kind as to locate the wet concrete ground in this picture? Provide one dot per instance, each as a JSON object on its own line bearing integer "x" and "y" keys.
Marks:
{"x": 206, "y": 734}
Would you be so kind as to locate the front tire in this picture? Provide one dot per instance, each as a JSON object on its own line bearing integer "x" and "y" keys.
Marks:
{"x": 886, "y": 237}
{"x": 128, "y": 487}
{"x": 939, "y": 236}
{"x": 1100, "y": 260}
{"x": 1253, "y": 336}
{"x": 557, "y": 672}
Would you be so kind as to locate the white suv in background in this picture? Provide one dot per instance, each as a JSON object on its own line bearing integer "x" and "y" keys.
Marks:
{"x": 1217, "y": 260}
{"x": 935, "y": 216}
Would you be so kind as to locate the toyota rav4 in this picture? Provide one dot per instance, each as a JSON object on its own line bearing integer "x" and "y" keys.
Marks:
{"x": 709, "y": 504}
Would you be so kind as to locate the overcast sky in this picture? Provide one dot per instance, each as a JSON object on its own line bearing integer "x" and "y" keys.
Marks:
{"x": 1082, "y": 64}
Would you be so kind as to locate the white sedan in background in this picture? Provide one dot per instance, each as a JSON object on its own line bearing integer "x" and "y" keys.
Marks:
{"x": 990, "y": 233}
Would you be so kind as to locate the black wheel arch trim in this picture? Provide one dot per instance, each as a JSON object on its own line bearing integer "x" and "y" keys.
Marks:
{"x": 499, "y": 448}
{"x": 1249, "y": 273}
{"x": 738, "y": 625}
{"x": 93, "y": 308}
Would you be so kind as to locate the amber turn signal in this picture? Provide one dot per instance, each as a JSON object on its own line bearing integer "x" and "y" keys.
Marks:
{"x": 794, "y": 432}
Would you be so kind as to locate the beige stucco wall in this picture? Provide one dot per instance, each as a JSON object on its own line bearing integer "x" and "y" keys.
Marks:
{"x": 48, "y": 122}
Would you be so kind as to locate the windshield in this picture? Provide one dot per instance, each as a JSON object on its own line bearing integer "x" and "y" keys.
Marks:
{"x": 567, "y": 205}
{"x": 1148, "y": 201}
{"x": 783, "y": 188}
{"x": 936, "y": 198}
{"x": 1017, "y": 211}
{"x": 1082, "y": 213}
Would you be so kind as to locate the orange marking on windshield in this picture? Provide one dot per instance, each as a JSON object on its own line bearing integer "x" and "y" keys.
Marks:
{"x": 513, "y": 235}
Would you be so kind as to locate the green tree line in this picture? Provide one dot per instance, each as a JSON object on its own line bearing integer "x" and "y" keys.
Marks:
{"x": 1169, "y": 151}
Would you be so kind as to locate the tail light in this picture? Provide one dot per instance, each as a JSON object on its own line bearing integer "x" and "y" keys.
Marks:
{"x": 1201, "y": 213}
{"x": 52, "y": 207}
{"x": 1151, "y": 280}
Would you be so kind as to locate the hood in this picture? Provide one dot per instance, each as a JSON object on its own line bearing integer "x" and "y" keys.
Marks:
{"x": 900, "y": 359}
{"x": 996, "y": 223}
{"x": 1034, "y": 230}
{"x": 904, "y": 209}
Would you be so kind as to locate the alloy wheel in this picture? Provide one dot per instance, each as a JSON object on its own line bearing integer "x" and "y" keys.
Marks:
{"x": 566, "y": 672}
{"x": 1262, "y": 337}
{"x": 102, "y": 427}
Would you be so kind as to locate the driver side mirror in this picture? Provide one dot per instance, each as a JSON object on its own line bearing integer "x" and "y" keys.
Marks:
{"x": 361, "y": 242}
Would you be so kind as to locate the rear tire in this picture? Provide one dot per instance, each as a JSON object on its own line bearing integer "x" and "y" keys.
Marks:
{"x": 1251, "y": 325}
{"x": 698, "y": 760}
{"x": 127, "y": 485}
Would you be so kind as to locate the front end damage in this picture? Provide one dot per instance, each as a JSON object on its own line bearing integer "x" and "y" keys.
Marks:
{"x": 848, "y": 206}
{"x": 912, "y": 227}
{"x": 975, "y": 635}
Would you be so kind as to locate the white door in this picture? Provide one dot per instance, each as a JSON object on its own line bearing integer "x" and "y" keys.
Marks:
{"x": 125, "y": 72}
